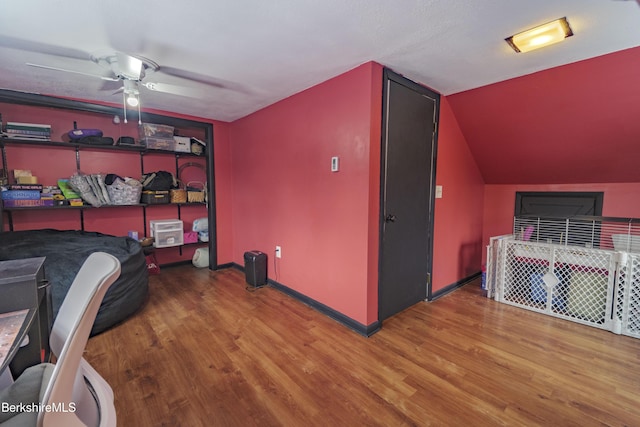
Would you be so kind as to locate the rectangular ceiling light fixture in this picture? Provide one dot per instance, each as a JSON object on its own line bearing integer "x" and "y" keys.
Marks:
{"x": 540, "y": 36}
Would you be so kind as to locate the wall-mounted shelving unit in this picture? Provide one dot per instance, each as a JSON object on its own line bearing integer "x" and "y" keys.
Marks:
{"x": 202, "y": 128}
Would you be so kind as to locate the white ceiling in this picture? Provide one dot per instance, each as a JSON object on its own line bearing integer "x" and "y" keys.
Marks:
{"x": 256, "y": 52}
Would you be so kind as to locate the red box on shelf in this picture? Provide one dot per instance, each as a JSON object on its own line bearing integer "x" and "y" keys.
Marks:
{"x": 190, "y": 237}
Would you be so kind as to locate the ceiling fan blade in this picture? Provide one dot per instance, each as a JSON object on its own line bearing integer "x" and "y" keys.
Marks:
{"x": 39, "y": 47}
{"x": 190, "y": 75}
{"x": 46, "y": 67}
{"x": 111, "y": 86}
{"x": 173, "y": 89}
{"x": 203, "y": 79}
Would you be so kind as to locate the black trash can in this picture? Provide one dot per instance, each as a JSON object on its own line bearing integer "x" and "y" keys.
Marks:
{"x": 255, "y": 268}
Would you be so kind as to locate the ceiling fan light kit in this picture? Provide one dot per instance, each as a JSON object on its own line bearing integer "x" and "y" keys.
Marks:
{"x": 540, "y": 36}
{"x": 132, "y": 93}
{"x": 132, "y": 100}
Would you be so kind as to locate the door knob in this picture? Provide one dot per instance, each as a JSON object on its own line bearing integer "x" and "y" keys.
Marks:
{"x": 390, "y": 218}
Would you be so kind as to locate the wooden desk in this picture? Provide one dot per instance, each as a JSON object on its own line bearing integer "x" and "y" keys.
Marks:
{"x": 14, "y": 327}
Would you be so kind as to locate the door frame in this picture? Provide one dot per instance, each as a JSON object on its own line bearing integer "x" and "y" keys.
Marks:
{"x": 390, "y": 75}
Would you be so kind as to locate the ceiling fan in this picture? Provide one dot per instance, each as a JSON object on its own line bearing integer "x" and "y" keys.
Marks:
{"x": 132, "y": 71}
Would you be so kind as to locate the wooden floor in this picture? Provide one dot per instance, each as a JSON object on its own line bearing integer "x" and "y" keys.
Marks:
{"x": 206, "y": 352}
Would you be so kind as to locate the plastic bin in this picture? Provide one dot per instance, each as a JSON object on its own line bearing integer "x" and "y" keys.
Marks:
{"x": 167, "y": 232}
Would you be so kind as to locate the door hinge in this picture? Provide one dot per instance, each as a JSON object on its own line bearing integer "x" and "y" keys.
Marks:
{"x": 428, "y": 279}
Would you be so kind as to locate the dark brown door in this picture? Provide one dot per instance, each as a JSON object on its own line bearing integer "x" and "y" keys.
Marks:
{"x": 408, "y": 171}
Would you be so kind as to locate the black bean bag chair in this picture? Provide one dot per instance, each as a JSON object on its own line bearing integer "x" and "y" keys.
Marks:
{"x": 66, "y": 251}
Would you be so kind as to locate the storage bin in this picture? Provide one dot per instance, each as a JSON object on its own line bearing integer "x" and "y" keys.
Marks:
{"x": 164, "y": 225}
{"x": 156, "y": 131}
{"x": 124, "y": 192}
{"x": 167, "y": 232}
{"x": 152, "y": 143}
{"x": 190, "y": 237}
{"x": 155, "y": 197}
{"x": 178, "y": 195}
{"x": 196, "y": 192}
{"x": 182, "y": 144}
{"x": 626, "y": 242}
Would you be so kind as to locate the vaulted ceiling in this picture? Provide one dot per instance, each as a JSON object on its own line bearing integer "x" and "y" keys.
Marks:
{"x": 244, "y": 55}
{"x": 234, "y": 58}
{"x": 578, "y": 123}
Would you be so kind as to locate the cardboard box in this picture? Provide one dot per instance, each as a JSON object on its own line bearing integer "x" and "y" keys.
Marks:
{"x": 23, "y": 203}
{"x": 21, "y": 172}
{"x": 27, "y": 180}
{"x": 38, "y": 187}
{"x": 21, "y": 195}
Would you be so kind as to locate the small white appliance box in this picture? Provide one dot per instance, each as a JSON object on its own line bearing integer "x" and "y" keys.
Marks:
{"x": 167, "y": 232}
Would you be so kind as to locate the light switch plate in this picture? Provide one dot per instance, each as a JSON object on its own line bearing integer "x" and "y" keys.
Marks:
{"x": 335, "y": 164}
{"x": 438, "y": 191}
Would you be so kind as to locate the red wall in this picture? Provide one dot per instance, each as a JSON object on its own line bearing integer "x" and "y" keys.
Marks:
{"x": 457, "y": 248}
{"x": 285, "y": 194}
{"x": 327, "y": 223}
{"x": 274, "y": 187}
{"x": 620, "y": 200}
{"x": 550, "y": 127}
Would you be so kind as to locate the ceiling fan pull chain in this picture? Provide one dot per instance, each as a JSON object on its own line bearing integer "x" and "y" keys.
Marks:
{"x": 124, "y": 106}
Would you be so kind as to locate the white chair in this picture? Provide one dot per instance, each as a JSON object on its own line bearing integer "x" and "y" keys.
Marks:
{"x": 75, "y": 393}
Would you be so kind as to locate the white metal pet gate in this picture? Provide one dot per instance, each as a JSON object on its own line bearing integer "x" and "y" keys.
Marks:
{"x": 586, "y": 270}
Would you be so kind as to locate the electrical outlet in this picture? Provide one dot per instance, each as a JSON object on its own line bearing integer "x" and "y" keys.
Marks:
{"x": 278, "y": 252}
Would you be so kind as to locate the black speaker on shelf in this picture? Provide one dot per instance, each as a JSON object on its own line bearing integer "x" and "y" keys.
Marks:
{"x": 255, "y": 268}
